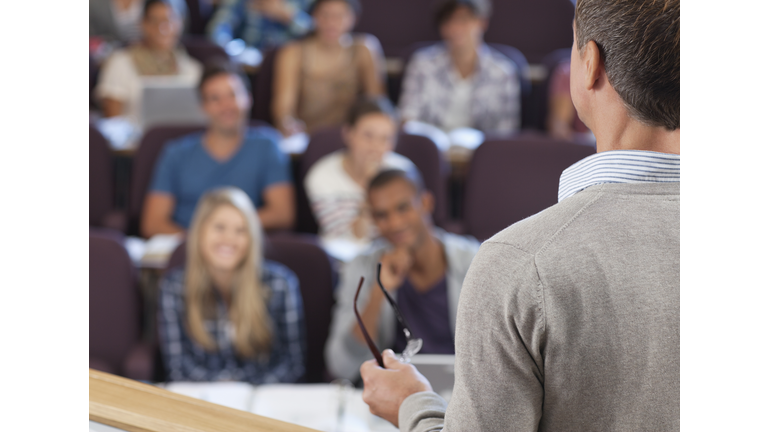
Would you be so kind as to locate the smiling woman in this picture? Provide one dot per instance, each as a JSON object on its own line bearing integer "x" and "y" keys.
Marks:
{"x": 229, "y": 315}
{"x": 156, "y": 54}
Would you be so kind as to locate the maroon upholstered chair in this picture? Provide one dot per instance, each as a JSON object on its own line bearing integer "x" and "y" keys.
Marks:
{"x": 420, "y": 150}
{"x": 101, "y": 193}
{"x": 541, "y": 98}
{"x": 200, "y": 12}
{"x": 144, "y": 160}
{"x": 314, "y": 269}
{"x": 512, "y": 179}
{"x": 115, "y": 344}
{"x": 433, "y": 167}
{"x": 203, "y": 49}
{"x": 261, "y": 88}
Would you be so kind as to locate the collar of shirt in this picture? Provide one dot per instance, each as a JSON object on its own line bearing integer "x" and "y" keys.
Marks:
{"x": 619, "y": 166}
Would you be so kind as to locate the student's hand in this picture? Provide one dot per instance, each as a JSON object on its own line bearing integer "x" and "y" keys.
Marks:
{"x": 395, "y": 266}
{"x": 361, "y": 227}
{"x": 290, "y": 126}
{"x": 384, "y": 390}
{"x": 276, "y": 10}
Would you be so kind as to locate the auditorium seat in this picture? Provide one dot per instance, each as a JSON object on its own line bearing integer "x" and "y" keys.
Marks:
{"x": 203, "y": 49}
{"x": 261, "y": 88}
{"x": 536, "y": 27}
{"x": 509, "y": 180}
{"x": 200, "y": 12}
{"x": 101, "y": 192}
{"x": 152, "y": 143}
{"x": 114, "y": 317}
{"x": 302, "y": 254}
{"x": 420, "y": 150}
{"x": 541, "y": 98}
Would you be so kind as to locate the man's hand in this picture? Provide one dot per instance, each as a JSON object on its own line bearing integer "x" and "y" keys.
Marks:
{"x": 395, "y": 266}
{"x": 384, "y": 390}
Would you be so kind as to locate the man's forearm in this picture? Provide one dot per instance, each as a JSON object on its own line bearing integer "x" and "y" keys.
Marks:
{"x": 161, "y": 227}
{"x": 272, "y": 218}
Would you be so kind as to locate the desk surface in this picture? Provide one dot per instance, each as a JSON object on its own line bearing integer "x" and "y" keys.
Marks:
{"x": 325, "y": 407}
{"x": 130, "y": 405}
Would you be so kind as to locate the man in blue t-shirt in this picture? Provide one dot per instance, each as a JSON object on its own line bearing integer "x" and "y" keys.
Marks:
{"x": 228, "y": 153}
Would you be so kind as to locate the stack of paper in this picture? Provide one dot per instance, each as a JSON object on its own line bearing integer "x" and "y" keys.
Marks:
{"x": 325, "y": 407}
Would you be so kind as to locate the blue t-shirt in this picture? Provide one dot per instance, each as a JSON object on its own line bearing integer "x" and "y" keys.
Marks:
{"x": 186, "y": 170}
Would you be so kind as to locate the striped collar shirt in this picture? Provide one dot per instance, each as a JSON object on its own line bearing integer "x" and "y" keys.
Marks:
{"x": 619, "y": 166}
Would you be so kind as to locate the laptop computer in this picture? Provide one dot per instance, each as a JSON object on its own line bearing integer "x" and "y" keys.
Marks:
{"x": 438, "y": 369}
{"x": 170, "y": 101}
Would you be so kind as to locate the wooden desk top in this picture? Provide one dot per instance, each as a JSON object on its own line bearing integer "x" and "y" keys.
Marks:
{"x": 137, "y": 407}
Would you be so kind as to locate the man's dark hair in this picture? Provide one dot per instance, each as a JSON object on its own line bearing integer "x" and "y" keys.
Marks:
{"x": 355, "y": 5}
{"x": 370, "y": 105}
{"x": 216, "y": 68}
{"x": 446, "y": 8}
{"x": 387, "y": 176}
{"x": 639, "y": 42}
{"x": 149, "y": 3}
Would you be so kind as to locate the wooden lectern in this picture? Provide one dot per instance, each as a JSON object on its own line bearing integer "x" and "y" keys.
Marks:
{"x": 137, "y": 407}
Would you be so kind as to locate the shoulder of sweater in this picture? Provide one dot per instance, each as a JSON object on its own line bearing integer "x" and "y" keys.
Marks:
{"x": 532, "y": 234}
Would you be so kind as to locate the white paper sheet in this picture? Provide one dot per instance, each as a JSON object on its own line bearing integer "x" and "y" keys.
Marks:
{"x": 317, "y": 406}
{"x": 235, "y": 395}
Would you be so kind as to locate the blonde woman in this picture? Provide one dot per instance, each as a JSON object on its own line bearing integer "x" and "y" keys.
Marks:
{"x": 230, "y": 315}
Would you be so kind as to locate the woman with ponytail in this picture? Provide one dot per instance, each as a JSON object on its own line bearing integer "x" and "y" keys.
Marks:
{"x": 230, "y": 315}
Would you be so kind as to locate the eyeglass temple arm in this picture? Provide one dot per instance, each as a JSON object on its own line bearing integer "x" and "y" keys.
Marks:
{"x": 398, "y": 314}
{"x": 368, "y": 340}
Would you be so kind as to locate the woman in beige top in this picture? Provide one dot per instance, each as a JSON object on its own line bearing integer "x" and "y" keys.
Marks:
{"x": 157, "y": 54}
{"x": 317, "y": 79}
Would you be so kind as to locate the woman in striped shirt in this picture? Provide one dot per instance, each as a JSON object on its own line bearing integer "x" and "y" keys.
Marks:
{"x": 336, "y": 183}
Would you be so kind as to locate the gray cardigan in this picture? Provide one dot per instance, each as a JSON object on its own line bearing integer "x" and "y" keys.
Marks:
{"x": 343, "y": 352}
{"x": 570, "y": 320}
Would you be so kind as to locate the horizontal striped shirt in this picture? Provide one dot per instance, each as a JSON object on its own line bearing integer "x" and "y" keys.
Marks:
{"x": 619, "y": 166}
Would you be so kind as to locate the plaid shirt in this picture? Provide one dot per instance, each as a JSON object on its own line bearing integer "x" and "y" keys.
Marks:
{"x": 236, "y": 19}
{"x": 185, "y": 360}
{"x": 430, "y": 79}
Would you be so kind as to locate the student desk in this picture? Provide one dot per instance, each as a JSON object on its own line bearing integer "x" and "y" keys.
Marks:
{"x": 133, "y": 406}
{"x": 125, "y": 404}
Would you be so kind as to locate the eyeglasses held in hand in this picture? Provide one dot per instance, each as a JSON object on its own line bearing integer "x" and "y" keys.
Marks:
{"x": 412, "y": 347}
